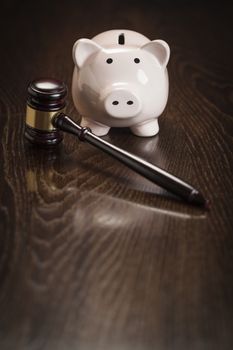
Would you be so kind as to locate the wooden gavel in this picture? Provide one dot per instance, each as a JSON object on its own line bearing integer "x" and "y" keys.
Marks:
{"x": 45, "y": 121}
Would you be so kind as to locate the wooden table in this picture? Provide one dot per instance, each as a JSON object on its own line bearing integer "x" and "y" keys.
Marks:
{"x": 92, "y": 255}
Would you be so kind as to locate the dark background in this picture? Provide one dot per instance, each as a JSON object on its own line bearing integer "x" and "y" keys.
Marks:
{"x": 93, "y": 256}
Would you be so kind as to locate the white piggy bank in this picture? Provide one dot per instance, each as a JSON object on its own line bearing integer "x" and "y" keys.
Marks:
{"x": 120, "y": 80}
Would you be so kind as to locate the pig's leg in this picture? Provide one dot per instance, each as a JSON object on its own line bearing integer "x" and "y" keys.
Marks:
{"x": 97, "y": 128}
{"x": 146, "y": 129}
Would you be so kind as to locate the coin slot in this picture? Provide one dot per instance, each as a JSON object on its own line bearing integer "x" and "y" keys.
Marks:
{"x": 121, "y": 39}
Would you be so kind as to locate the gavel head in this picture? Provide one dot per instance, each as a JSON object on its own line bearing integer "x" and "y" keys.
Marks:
{"x": 46, "y": 97}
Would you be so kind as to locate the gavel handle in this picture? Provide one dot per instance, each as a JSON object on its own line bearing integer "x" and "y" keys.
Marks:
{"x": 153, "y": 173}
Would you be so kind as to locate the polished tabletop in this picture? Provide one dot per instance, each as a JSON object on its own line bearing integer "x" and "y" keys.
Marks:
{"x": 92, "y": 255}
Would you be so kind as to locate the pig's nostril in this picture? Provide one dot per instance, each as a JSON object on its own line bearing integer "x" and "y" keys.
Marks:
{"x": 129, "y": 102}
{"x": 115, "y": 103}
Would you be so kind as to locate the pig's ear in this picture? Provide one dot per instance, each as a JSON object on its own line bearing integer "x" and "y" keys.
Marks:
{"x": 82, "y": 49}
{"x": 160, "y": 50}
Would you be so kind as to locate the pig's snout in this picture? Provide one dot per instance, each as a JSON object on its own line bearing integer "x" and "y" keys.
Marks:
{"x": 122, "y": 103}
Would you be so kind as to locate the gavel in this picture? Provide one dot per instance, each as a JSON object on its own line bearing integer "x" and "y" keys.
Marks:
{"x": 46, "y": 121}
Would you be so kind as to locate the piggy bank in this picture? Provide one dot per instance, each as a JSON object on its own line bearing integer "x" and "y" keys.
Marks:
{"x": 120, "y": 79}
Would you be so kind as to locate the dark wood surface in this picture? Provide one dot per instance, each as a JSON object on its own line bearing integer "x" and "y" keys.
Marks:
{"x": 93, "y": 256}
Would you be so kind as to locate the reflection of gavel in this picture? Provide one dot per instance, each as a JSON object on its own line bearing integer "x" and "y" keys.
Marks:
{"x": 45, "y": 122}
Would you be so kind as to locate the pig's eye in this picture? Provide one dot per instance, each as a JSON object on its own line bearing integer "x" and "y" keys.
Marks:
{"x": 109, "y": 60}
{"x": 136, "y": 60}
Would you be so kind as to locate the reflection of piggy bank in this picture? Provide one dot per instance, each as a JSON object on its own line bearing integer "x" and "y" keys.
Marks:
{"x": 120, "y": 80}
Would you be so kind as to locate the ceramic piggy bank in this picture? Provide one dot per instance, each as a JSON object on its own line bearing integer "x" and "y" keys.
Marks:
{"x": 120, "y": 80}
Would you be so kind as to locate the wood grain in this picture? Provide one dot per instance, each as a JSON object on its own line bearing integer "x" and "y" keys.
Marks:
{"x": 93, "y": 256}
